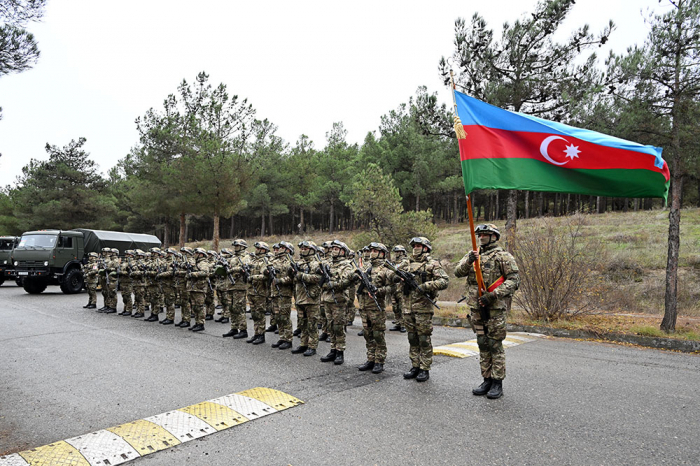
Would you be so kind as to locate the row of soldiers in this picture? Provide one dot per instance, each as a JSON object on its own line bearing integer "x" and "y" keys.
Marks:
{"x": 323, "y": 284}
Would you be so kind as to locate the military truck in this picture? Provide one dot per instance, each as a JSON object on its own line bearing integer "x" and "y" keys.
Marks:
{"x": 7, "y": 244}
{"x": 54, "y": 257}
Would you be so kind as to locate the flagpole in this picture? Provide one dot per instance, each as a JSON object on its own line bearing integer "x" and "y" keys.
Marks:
{"x": 477, "y": 264}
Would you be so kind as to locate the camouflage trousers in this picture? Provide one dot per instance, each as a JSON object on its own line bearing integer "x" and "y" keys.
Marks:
{"x": 92, "y": 291}
{"x": 282, "y": 310}
{"x": 336, "y": 323}
{"x": 258, "y": 305}
{"x": 270, "y": 308}
{"x": 210, "y": 301}
{"x": 154, "y": 298}
{"x": 169, "y": 298}
{"x": 139, "y": 298}
{"x": 350, "y": 310}
{"x": 396, "y": 307}
{"x": 492, "y": 355}
{"x": 237, "y": 310}
{"x": 127, "y": 290}
{"x": 307, "y": 320}
{"x": 419, "y": 327}
{"x": 323, "y": 319}
{"x": 104, "y": 290}
{"x": 197, "y": 298}
{"x": 112, "y": 294}
{"x": 224, "y": 298}
{"x": 185, "y": 304}
{"x": 374, "y": 326}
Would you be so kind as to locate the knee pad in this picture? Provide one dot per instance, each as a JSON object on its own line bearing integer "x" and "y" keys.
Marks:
{"x": 413, "y": 339}
{"x": 424, "y": 341}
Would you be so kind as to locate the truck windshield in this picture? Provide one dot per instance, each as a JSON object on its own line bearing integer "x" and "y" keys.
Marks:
{"x": 6, "y": 244}
{"x": 37, "y": 241}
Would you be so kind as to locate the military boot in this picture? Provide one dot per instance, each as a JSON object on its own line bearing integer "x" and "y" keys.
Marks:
{"x": 152, "y": 318}
{"x": 285, "y": 345}
{"x": 484, "y": 388}
{"x": 242, "y": 334}
{"x": 323, "y": 336}
{"x": 422, "y": 376}
{"x": 395, "y": 328}
{"x": 297, "y": 332}
{"x": 412, "y": 374}
{"x": 369, "y": 365}
{"x": 310, "y": 352}
{"x": 299, "y": 349}
{"x": 260, "y": 339}
{"x": 378, "y": 367}
{"x": 183, "y": 324}
{"x": 339, "y": 358}
{"x": 252, "y": 339}
{"x": 361, "y": 333}
{"x": 198, "y": 328}
{"x": 167, "y": 322}
{"x": 231, "y": 333}
{"x": 225, "y": 320}
{"x": 138, "y": 315}
{"x": 329, "y": 357}
{"x": 271, "y": 328}
{"x": 496, "y": 390}
{"x": 277, "y": 344}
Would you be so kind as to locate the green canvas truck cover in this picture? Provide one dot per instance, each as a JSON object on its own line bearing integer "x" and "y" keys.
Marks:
{"x": 95, "y": 240}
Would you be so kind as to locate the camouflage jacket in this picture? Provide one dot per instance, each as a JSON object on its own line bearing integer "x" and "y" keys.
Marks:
{"x": 341, "y": 275}
{"x": 260, "y": 283}
{"x": 236, "y": 263}
{"x": 381, "y": 277}
{"x": 90, "y": 271}
{"x": 284, "y": 280}
{"x": 430, "y": 276}
{"x": 497, "y": 265}
{"x": 199, "y": 277}
{"x": 310, "y": 275}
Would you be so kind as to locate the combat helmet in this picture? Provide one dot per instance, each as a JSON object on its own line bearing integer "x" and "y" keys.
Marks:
{"x": 339, "y": 244}
{"x": 262, "y": 245}
{"x": 106, "y": 251}
{"x": 93, "y": 254}
{"x": 240, "y": 242}
{"x": 421, "y": 240}
{"x": 201, "y": 251}
{"x": 399, "y": 248}
{"x": 187, "y": 250}
{"x": 288, "y": 245}
{"x": 212, "y": 253}
{"x": 379, "y": 247}
{"x": 226, "y": 252}
{"x": 308, "y": 244}
{"x": 172, "y": 251}
{"x": 488, "y": 229}
{"x": 140, "y": 253}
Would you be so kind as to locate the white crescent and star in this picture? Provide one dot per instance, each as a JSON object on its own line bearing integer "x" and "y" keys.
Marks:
{"x": 571, "y": 150}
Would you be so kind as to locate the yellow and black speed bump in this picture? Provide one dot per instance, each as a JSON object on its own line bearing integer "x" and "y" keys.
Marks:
{"x": 125, "y": 442}
{"x": 469, "y": 348}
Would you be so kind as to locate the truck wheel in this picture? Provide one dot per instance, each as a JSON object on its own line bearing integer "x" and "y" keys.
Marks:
{"x": 2, "y": 280}
{"x": 34, "y": 286}
{"x": 72, "y": 282}
{"x": 19, "y": 281}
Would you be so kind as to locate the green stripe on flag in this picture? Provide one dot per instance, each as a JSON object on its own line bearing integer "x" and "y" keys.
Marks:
{"x": 533, "y": 175}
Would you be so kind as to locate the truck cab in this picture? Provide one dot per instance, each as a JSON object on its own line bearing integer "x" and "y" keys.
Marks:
{"x": 7, "y": 245}
{"x": 49, "y": 257}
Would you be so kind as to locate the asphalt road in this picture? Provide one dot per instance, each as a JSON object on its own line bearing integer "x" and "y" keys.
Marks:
{"x": 66, "y": 371}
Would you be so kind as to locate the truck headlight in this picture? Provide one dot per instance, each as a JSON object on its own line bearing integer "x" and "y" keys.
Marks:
{"x": 16, "y": 263}
{"x": 4, "y": 263}
{"x": 46, "y": 263}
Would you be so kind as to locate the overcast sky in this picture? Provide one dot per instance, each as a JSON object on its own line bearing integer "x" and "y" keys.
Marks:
{"x": 301, "y": 64}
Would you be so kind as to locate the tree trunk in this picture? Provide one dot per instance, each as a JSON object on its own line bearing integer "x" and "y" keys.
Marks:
{"x": 598, "y": 204}
{"x": 270, "y": 223}
{"x": 166, "y": 234}
{"x": 527, "y": 204}
{"x": 216, "y": 236}
{"x": 262, "y": 224}
{"x": 301, "y": 220}
{"x": 668, "y": 324}
{"x": 417, "y": 202}
{"x": 540, "y": 204}
{"x": 183, "y": 230}
{"x": 231, "y": 232}
{"x": 332, "y": 219}
{"x": 511, "y": 219}
{"x": 496, "y": 215}
{"x": 455, "y": 202}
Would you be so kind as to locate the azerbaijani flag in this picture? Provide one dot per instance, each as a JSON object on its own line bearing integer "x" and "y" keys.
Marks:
{"x": 508, "y": 150}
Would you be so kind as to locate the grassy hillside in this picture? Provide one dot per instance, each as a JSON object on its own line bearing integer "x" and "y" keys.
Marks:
{"x": 632, "y": 247}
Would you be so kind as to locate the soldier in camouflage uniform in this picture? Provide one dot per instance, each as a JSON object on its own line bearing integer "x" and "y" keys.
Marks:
{"x": 372, "y": 314}
{"x": 488, "y": 311}
{"x": 138, "y": 283}
{"x": 271, "y": 305}
{"x": 90, "y": 273}
{"x": 335, "y": 298}
{"x": 307, "y": 295}
{"x": 223, "y": 284}
{"x": 198, "y": 285}
{"x": 185, "y": 283}
{"x": 168, "y": 280}
{"x": 155, "y": 287}
{"x": 125, "y": 284}
{"x": 400, "y": 257}
{"x": 260, "y": 291}
{"x": 239, "y": 264}
{"x": 210, "y": 299}
{"x": 417, "y": 308}
{"x": 323, "y": 319}
{"x": 102, "y": 276}
{"x": 350, "y": 313}
{"x": 112, "y": 264}
{"x": 282, "y": 291}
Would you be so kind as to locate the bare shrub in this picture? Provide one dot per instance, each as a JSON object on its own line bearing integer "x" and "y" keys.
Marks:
{"x": 559, "y": 269}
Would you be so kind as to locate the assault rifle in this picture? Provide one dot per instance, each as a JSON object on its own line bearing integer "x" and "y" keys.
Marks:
{"x": 246, "y": 270}
{"x": 409, "y": 281}
{"x": 367, "y": 284}
{"x": 295, "y": 270}
{"x": 273, "y": 274}
{"x": 103, "y": 266}
{"x": 224, "y": 264}
{"x": 326, "y": 276}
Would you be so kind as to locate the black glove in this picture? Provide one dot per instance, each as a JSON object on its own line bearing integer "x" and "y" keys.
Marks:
{"x": 471, "y": 257}
{"x": 487, "y": 299}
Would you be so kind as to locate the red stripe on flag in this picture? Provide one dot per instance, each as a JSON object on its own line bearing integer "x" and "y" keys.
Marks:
{"x": 486, "y": 143}
{"x": 496, "y": 284}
